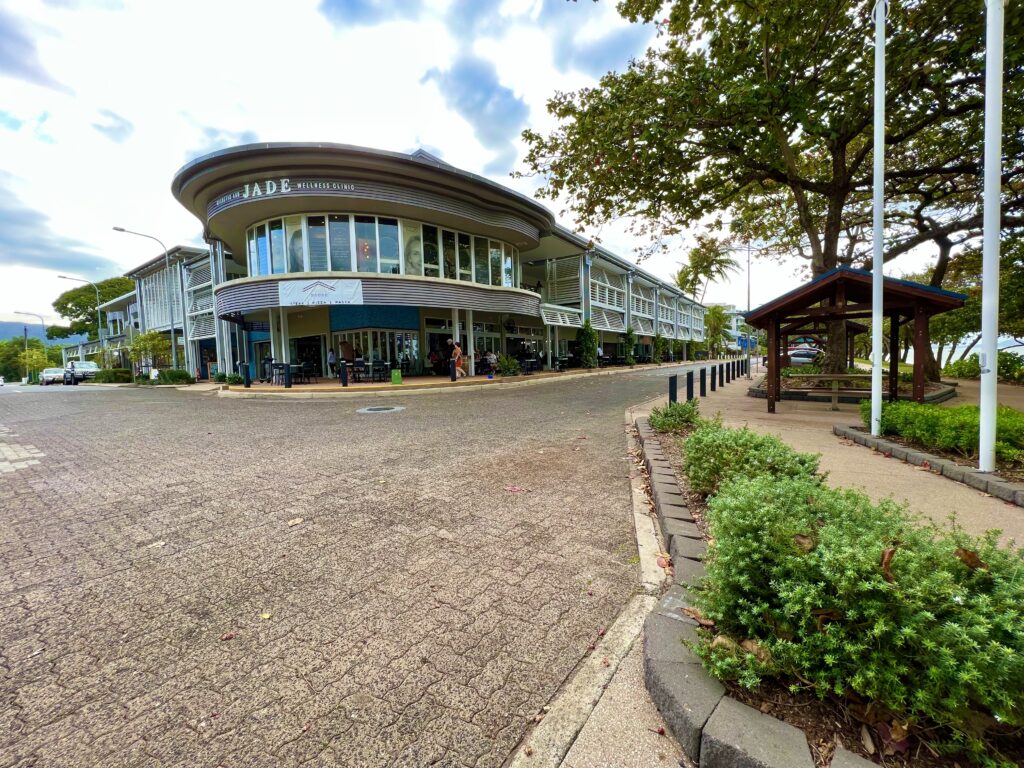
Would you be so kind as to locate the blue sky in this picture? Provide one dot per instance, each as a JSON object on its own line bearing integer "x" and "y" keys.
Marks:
{"x": 105, "y": 99}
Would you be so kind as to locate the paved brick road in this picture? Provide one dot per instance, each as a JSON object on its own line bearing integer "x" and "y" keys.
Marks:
{"x": 419, "y": 615}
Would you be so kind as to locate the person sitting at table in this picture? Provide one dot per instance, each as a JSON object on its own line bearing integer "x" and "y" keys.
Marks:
{"x": 492, "y": 359}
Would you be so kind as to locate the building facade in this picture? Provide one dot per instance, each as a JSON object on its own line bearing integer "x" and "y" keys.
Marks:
{"x": 321, "y": 247}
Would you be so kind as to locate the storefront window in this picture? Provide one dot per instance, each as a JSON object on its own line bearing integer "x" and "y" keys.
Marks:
{"x": 413, "y": 248}
{"x": 277, "y": 246}
{"x": 388, "y": 230}
{"x": 496, "y": 263}
{"x": 448, "y": 250}
{"x": 293, "y": 229}
{"x": 431, "y": 254}
{"x": 483, "y": 274}
{"x": 508, "y": 274}
{"x": 316, "y": 228}
{"x": 341, "y": 243}
{"x": 254, "y": 267}
{"x": 366, "y": 244}
{"x": 262, "y": 249}
{"x": 465, "y": 258}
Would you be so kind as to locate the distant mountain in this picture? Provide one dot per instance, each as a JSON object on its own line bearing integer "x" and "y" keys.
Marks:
{"x": 11, "y": 329}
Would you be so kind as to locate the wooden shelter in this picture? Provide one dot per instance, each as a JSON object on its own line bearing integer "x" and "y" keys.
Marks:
{"x": 845, "y": 294}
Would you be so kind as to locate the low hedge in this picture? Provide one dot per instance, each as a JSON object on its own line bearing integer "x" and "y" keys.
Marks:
{"x": 234, "y": 378}
{"x": 113, "y": 376}
{"x": 955, "y": 430}
{"x": 715, "y": 455}
{"x": 674, "y": 416}
{"x": 856, "y": 599}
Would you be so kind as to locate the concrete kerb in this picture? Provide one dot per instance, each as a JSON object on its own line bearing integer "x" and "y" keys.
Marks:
{"x": 985, "y": 482}
{"x": 714, "y": 730}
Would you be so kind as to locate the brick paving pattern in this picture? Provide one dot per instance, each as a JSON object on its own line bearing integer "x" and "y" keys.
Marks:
{"x": 157, "y": 609}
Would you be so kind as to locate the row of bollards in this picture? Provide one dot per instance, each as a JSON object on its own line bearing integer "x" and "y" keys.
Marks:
{"x": 721, "y": 374}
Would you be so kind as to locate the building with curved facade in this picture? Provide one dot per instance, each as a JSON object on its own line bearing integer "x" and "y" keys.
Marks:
{"x": 319, "y": 247}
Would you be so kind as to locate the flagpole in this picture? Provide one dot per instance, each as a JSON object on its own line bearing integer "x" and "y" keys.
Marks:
{"x": 881, "y": 8}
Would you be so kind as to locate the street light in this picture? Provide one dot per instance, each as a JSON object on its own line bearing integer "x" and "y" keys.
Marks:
{"x": 42, "y": 322}
{"x": 167, "y": 284}
{"x": 99, "y": 325}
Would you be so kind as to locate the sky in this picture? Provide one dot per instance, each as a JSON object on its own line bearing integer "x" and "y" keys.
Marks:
{"x": 103, "y": 100}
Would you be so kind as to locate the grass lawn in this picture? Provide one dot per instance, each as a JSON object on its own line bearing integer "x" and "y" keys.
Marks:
{"x": 904, "y": 367}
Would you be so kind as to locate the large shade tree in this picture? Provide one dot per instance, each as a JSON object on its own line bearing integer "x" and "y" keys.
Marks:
{"x": 78, "y": 306}
{"x": 762, "y": 109}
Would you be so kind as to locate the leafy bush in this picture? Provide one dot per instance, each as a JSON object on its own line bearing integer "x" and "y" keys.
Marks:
{"x": 678, "y": 349}
{"x": 659, "y": 348}
{"x": 175, "y": 376}
{"x": 113, "y": 376}
{"x": 508, "y": 365}
{"x": 674, "y": 416}
{"x": 586, "y": 345}
{"x": 220, "y": 377}
{"x": 856, "y": 598}
{"x": 968, "y": 368}
{"x": 629, "y": 341}
{"x": 715, "y": 455}
{"x": 1010, "y": 366}
{"x": 234, "y": 378}
{"x": 950, "y": 429}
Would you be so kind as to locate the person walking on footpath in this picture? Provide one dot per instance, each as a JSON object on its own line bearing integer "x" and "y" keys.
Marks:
{"x": 332, "y": 361}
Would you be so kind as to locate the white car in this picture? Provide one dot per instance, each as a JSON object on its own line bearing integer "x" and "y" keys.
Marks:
{"x": 803, "y": 355}
{"x": 51, "y": 376}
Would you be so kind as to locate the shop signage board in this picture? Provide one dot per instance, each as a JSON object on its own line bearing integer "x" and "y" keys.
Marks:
{"x": 315, "y": 293}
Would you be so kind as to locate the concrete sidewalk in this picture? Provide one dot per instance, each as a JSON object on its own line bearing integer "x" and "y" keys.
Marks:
{"x": 808, "y": 427}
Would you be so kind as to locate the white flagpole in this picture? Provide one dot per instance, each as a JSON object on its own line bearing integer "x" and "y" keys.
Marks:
{"x": 879, "y": 223}
{"x": 990, "y": 234}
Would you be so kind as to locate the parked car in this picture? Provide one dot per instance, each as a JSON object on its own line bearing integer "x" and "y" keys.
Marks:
{"x": 84, "y": 369}
{"x": 51, "y": 376}
{"x": 803, "y": 355}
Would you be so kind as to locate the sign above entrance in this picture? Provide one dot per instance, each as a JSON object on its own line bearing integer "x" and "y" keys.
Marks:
{"x": 279, "y": 187}
{"x": 316, "y": 293}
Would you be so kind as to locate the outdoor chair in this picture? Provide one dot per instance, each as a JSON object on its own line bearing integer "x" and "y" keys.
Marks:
{"x": 277, "y": 375}
{"x": 308, "y": 372}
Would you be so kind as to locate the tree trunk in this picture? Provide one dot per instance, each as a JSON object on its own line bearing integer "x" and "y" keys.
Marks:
{"x": 932, "y": 369}
{"x": 963, "y": 355}
{"x": 836, "y": 349}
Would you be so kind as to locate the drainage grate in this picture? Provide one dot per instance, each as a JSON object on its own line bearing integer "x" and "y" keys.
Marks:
{"x": 380, "y": 409}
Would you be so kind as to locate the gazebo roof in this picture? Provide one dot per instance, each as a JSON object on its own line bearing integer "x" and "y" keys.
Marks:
{"x": 854, "y": 288}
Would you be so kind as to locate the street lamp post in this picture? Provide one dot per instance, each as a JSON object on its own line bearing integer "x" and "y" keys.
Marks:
{"x": 748, "y": 309}
{"x": 99, "y": 324}
{"x": 42, "y": 322}
{"x": 167, "y": 284}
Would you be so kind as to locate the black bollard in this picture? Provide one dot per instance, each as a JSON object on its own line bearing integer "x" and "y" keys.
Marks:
{"x": 451, "y": 369}
{"x": 287, "y": 376}
{"x": 343, "y": 373}
{"x": 246, "y": 378}
{"x": 714, "y": 376}
{"x": 721, "y": 374}
{"x": 728, "y": 372}
{"x": 704, "y": 382}
{"x": 689, "y": 386}
{"x": 673, "y": 389}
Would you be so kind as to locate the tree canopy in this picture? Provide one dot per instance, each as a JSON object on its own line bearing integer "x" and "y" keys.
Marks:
{"x": 709, "y": 260}
{"x": 78, "y": 305}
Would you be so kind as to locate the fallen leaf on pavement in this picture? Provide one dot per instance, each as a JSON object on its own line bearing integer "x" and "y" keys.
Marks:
{"x": 697, "y": 616}
{"x": 156, "y": 544}
{"x": 516, "y": 489}
{"x": 227, "y": 636}
{"x": 865, "y": 739}
{"x": 664, "y": 562}
{"x": 294, "y": 521}
{"x": 660, "y": 730}
{"x": 264, "y": 616}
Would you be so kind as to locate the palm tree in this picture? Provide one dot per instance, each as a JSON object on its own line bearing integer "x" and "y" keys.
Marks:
{"x": 710, "y": 260}
{"x": 716, "y": 321}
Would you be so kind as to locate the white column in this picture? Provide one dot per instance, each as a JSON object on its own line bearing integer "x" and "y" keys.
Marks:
{"x": 547, "y": 329}
{"x": 286, "y": 349}
{"x": 879, "y": 222}
{"x": 274, "y": 336}
{"x": 990, "y": 236}
{"x": 470, "y": 341}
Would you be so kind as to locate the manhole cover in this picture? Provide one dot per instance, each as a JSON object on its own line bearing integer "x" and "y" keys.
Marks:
{"x": 380, "y": 409}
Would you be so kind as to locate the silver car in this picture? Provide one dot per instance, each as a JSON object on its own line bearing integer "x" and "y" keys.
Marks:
{"x": 51, "y": 376}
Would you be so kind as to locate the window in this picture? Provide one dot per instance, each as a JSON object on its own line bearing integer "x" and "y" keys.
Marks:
{"x": 508, "y": 274}
{"x": 465, "y": 258}
{"x": 431, "y": 254}
{"x": 277, "y": 246}
{"x": 482, "y": 271}
{"x": 254, "y": 265}
{"x": 496, "y": 263}
{"x": 413, "y": 248}
{"x": 388, "y": 231}
{"x": 366, "y": 244}
{"x": 448, "y": 251}
{"x": 341, "y": 243}
{"x": 293, "y": 230}
{"x": 316, "y": 229}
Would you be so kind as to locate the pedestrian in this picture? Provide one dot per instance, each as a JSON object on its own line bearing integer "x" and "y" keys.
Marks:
{"x": 457, "y": 357}
{"x": 332, "y": 361}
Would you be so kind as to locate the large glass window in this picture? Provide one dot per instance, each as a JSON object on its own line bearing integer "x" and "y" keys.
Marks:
{"x": 316, "y": 229}
{"x": 483, "y": 274}
{"x": 413, "y": 242}
{"x": 431, "y": 253}
{"x": 341, "y": 242}
{"x": 388, "y": 231}
{"x": 508, "y": 273}
{"x": 254, "y": 267}
{"x": 262, "y": 249}
{"x": 366, "y": 244}
{"x": 277, "y": 246}
{"x": 293, "y": 230}
{"x": 465, "y": 258}
{"x": 448, "y": 250}
{"x": 496, "y": 263}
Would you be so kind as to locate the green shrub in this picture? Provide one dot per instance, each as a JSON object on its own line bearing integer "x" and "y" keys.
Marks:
{"x": 113, "y": 376}
{"x": 220, "y": 377}
{"x": 955, "y": 430}
{"x": 659, "y": 348}
{"x": 674, "y": 416}
{"x": 175, "y": 376}
{"x": 586, "y": 345}
{"x": 714, "y": 455}
{"x": 629, "y": 341}
{"x": 968, "y": 368}
{"x": 852, "y": 597}
{"x": 1010, "y": 366}
{"x": 234, "y": 378}
{"x": 508, "y": 365}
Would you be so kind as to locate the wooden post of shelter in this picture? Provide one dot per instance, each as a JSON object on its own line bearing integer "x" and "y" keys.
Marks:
{"x": 773, "y": 364}
{"x": 920, "y": 349}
